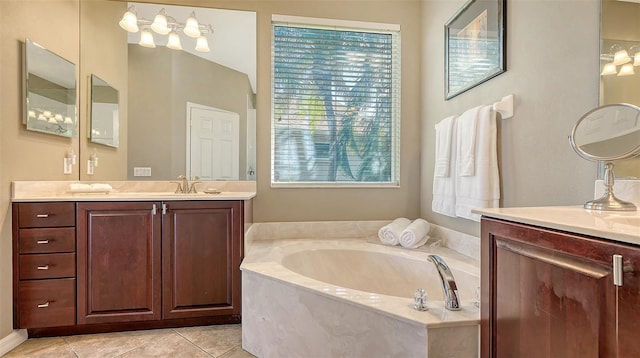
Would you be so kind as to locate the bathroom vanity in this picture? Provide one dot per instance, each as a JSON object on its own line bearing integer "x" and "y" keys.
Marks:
{"x": 127, "y": 260}
{"x": 550, "y": 287}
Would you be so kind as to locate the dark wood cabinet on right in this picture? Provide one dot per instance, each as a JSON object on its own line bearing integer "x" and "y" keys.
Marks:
{"x": 548, "y": 293}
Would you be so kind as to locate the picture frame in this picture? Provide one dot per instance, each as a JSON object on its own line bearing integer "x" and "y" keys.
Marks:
{"x": 475, "y": 45}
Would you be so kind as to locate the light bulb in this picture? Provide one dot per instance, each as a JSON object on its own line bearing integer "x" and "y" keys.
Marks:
{"x": 621, "y": 57}
{"x": 146, "y": 39}
{"x": 159, "y": 24}
{"x": 609, "y": 69}
{"x": 32, "y": 113}
{"x": 58, "y": 117}
{"x": 636, "y": 59}
{"x": 41, "y": 117}
{"x": 47, "y": 114}
{"x": 174, "y": 41}
{"x": 192, "y": 28}
{"x": 202, "y": 45}
{"x": 626, "y": 70}
{"x": 68, "y": 120}
{"x": 129, "y": 20}
{"x": 52, "y": 120}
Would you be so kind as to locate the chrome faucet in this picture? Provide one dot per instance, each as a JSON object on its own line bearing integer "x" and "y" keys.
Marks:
{"x": 183, "y": 185}
{"x": 451, "y": 296}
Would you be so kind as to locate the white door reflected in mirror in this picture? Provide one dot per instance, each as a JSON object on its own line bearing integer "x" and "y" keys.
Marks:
{"x": 213, "y": 141}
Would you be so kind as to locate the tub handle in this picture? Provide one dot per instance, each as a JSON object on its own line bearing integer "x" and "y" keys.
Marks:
{"x": 420, "y": 300}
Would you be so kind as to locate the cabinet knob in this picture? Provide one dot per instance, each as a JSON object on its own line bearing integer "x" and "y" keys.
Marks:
{"x": 44, "y": 305}
{"x": 42, "y": 216}
{"x": 45, "y": 267}
{"x": 42, "y": 242}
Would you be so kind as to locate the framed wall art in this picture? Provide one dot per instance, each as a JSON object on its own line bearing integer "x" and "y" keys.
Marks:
{"x": 474, "y": 45}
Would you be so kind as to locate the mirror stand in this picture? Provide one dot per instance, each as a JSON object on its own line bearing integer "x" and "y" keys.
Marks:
{"x": 608, "y": 201}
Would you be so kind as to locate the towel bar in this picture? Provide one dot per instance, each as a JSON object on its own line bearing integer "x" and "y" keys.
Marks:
{"x": 504, "y": 107}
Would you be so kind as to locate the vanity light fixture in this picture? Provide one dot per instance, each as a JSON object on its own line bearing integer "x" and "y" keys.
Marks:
{"x": 626, "y": 70}
{"x": 146, "y": 39}
{"x": 202, "y": 45}
{"x": 174, "y": 41}
{"x": 129, "y": 20}
{"x": 192, "y": 27}
{"x": 621, "y": 57}
{"x": 609, "y": 69}
{"x": 164, "y": 24}
{"x": 159, "y": 24}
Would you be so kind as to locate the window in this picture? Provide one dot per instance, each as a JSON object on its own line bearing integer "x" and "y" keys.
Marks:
{"x": 335, "y": 103}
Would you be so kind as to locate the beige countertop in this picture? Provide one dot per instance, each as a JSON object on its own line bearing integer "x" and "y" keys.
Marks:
{"x": 35, "y": 191}
{"x": 611, "y": 225}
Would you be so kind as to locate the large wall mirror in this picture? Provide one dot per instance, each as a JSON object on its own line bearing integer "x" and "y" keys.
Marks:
{"x": 50, "y": 91}
{"x": 186, "y": 78}
{"x": 620, "y": 63}
{"x": 105, "y": 124}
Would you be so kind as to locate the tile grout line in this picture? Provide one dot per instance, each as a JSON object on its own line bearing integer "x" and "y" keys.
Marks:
{"x": 64, "y": 339}
{"x": 192, "y": 343}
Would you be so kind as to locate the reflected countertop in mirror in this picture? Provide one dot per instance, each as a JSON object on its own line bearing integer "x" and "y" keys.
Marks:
{"x": 160, "y": 81}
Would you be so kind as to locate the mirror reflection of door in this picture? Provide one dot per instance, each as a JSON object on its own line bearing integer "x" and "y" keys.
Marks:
{"x": 213, "y": 143}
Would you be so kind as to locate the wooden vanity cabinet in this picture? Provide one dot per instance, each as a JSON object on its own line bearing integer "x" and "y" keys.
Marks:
{"x": 119, "y": 262}
{"x": 150, "y": 261}
{"x": 44, "y": 270}
{"x": 548, "y": 293}
{"x": 201, "y": 258}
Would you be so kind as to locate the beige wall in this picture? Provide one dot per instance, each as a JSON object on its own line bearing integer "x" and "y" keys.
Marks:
{"x": 28, "y": 155}
{"x": 157, "y": 128}
{"x": 104, "y": 54}
{"x": 552, "y": 68}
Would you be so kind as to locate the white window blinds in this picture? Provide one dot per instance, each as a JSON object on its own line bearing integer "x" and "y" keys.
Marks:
{"x": 336, "y": 106}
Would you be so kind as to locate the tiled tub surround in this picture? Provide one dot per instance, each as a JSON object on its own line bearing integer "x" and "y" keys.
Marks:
{"x": 330, "y": 289}
{"x": 130, "y": 191}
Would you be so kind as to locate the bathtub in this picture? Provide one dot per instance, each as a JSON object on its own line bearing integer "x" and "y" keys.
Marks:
{"x": 353, "y": 298}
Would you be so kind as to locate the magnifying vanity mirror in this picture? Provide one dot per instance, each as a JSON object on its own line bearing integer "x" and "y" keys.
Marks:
{"x": 608, "y": 133}
{"x": 166, "y": 80}
{"x": 50, "y": 91}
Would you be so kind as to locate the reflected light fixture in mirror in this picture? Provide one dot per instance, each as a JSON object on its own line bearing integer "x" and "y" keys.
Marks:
{"x": 164, "y": 24}
{"x": 619, "y": 56}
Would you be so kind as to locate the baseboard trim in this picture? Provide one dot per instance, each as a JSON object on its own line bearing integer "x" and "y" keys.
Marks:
{"x": 13, "y": 340}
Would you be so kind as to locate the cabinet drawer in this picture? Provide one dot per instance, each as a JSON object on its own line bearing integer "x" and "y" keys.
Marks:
{"x": 35, "y": 241}
{"x": 47, "y": 266}
{"x": 47, "y": 303}
{"x": 46, "y": 214}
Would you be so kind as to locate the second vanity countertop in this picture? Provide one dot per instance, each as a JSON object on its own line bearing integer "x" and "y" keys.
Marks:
{"x": 616, "y": 226}
{"x": 35, "y": 191}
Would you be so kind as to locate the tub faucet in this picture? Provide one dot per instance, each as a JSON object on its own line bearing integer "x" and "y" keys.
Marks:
{"x": 451, "y": 297}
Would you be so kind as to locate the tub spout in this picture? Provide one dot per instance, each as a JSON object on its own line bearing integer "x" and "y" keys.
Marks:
{"x": 451, "y": 297}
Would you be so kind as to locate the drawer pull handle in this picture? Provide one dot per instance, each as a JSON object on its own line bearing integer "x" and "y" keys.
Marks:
{"x": 44, "y": 305}
{"x": 42, "y": 242}
{"x": 45, "y": 267}
{"x": 42, "y": 215}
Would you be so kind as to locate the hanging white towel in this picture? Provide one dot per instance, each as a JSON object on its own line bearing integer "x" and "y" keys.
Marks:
{"x": 443, "y": 198}
{"x": 467, "y": 136}
{"x": 390, "y": 234}
{"x": 416, "y": 234}
{"x": 482, "y": 190}
{"x": 444, "y": 129}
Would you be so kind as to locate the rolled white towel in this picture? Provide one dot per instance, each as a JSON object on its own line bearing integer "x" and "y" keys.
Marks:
{"x": 101, "y": 188}
{"x": 416, "y": 234}
{"x": 79, "y": 188}
{"x": 390, "y": 234}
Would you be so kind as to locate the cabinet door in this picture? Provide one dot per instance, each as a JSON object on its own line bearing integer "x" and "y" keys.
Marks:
{"x": 119, "y": 274}
{"x": 201, "y": 258}
{"x": 546, "y": 293}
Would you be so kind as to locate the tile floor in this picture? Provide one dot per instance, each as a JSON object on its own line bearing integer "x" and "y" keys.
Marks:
{"x": 222, "y": 341}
